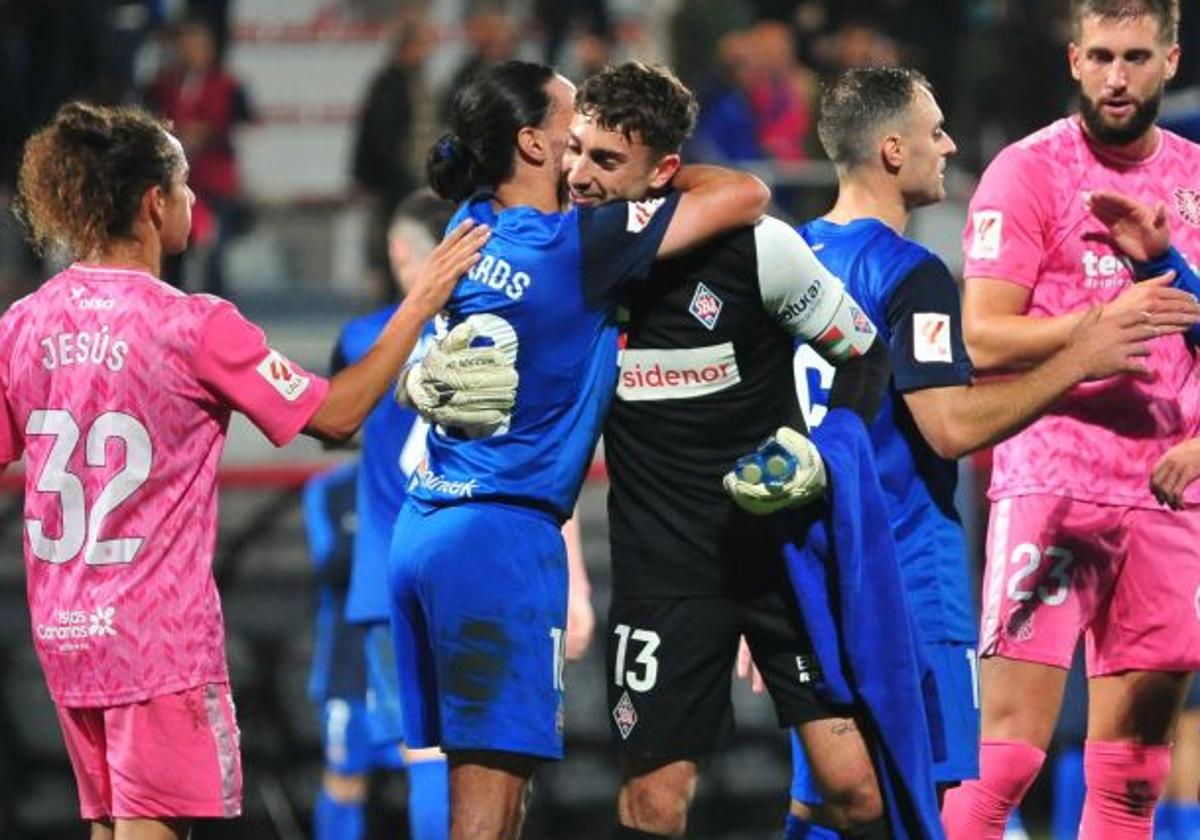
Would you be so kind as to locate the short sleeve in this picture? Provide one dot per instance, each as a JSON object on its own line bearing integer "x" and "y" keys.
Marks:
{"x": 1004, "y": 234}
{"x": 619, "y": 243}
{"x": 925, "y": 316}
{"x": 12, "y": 441}
{"x": 233, "y": 361}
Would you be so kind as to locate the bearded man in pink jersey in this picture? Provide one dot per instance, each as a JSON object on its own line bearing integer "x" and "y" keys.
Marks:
{"x": 1078, "y": 543}
{"x": 118, "y": 390}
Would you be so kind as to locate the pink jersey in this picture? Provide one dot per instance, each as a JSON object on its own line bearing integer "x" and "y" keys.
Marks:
{"x": 118, "y": 389}
{"x": 1028, "y": 225}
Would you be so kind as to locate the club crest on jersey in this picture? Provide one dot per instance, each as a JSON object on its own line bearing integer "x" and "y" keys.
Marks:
{"x": 641, "y": 212}
{"x": 706, "y": 306}
{"x": 1187, "y": 203}
{"x": 625, "y": 715}
{"x": 278, "y": 372}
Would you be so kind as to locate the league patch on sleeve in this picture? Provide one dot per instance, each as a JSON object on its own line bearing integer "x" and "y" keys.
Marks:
{"x": 278, "y": 372}
{"x": 641, "y": 212}
{"x": 931, "y": 337}
{"x": 989, "y": 227}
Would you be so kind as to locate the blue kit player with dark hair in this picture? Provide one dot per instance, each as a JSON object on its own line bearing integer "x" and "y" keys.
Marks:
{"x": 479, "y": 583}
{"x": 883, "y": 130}
{"x": 393, "y": 442}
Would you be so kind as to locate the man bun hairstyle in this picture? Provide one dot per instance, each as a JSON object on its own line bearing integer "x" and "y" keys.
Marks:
{"x": 485, "y": 117}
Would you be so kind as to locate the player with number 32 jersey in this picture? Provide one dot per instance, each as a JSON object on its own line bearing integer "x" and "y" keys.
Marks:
{"x": 119, "y": 390}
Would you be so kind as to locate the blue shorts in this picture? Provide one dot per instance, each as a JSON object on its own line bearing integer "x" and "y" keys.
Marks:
{"x": 479, "y": 607}
{"x": 344, "y": 735}
{"x": 955, "y": 669}
{"x": 384, "y": 718}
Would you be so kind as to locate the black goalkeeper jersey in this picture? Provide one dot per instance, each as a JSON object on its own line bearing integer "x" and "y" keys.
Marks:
{"x": 706, "y": 375}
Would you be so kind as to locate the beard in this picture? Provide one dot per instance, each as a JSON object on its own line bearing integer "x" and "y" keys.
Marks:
{"x": 1144, "y": 115}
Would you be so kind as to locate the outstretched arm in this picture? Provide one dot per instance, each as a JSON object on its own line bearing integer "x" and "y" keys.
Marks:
{"x": 354, "y": 391}
{"x": 713, "y": 200}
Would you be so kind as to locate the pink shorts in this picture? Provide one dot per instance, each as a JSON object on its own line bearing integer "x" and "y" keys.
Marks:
{"x": 1128, "y": 578}
{"x": 170, "y": 756}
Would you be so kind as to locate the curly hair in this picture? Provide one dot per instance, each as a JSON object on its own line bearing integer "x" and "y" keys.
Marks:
{"x": 83, "y": 175}
{"x": 642, "y": 100}
{"x": 1164, "y": 12}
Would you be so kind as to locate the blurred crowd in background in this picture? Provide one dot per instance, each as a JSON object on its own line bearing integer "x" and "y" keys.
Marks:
{"x": 306, "y": 121}
{"x": 757, "y": 66}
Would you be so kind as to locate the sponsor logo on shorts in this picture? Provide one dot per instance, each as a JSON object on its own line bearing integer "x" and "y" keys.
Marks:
{"x": 989, "y": 228}
{"x": 1187, "y": 204}
{"x": 677, "y": 374}
{"x": 74, "y": 628}
{"x": 706, "y": 306}
{"x": 807, "y": 668}
{"x": 931, "y": 337}
{"x": 279, "y": 374}
{"x": 434, "y": 483}
{"x": 625, "y": 715}
{"x": 1196, "y": 602}
{"x": 641, "y": 212}
{"x": 1020, "y": 625}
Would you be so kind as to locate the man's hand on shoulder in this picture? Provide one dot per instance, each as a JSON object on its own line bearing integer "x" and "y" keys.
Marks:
{"x": 786, "y": 471}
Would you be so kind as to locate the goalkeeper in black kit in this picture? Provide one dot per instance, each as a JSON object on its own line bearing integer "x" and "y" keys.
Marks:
{"x": 706, "y": 376}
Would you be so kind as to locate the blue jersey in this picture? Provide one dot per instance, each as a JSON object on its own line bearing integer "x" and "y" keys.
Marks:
{"x": 544, "y": 292}
{"x": 393, "y": 442}
{"x": 339, "y": 668}
{"x": 909, "y": 294}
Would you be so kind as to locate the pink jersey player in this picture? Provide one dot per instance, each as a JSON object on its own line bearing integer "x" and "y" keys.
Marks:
{"x": 1078, "y": 543}
{"x": 1029, "y": 225}
{"x": 117, "y": 391}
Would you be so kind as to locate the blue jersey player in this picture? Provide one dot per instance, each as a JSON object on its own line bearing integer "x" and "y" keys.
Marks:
{"x": 479, "y": 582}
{"x": 393, "y": 442}
{"x": 884, "y": 131}
{"x": 338, "y": 682}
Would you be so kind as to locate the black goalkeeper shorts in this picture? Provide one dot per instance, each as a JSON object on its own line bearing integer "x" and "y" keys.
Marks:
{"x": 670, "y": 667}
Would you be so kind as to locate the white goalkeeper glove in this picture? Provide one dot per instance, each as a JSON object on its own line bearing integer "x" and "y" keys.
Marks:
{"x": 457, "y": 385}
{"x": 785, "y": 471}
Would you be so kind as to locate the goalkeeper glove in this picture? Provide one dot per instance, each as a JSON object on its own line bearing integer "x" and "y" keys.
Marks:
{"x": 457, "y": 385}
{"x": 785, "y": 471}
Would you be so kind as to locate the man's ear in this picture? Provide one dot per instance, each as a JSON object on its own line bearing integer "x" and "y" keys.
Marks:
{"x": 665, "y": 170}
{"x": 154, "y": 202}
{"x": 533, "y": 145}
{"x": 891, "y": 152}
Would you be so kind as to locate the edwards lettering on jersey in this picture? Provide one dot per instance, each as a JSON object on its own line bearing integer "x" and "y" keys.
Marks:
{"x": 496, "y": 273}
{"x": 664, "y": 374}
